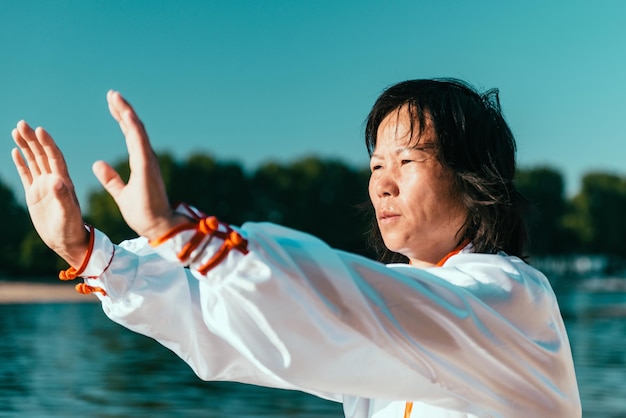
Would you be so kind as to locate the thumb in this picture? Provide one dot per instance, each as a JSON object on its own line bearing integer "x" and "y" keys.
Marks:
{"x": 61, "y": 190}
{"x": 108, "y": 177}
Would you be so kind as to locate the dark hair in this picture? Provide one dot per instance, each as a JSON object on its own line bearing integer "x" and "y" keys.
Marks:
{"x": 475, "y": 142}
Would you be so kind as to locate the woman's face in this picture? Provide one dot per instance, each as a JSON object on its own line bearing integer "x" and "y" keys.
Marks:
{"x": 418, "y": 211}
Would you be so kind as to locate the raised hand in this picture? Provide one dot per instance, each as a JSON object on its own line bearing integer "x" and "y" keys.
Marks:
{"x": 50, "y": 195}
{"x": 143, "y": 200}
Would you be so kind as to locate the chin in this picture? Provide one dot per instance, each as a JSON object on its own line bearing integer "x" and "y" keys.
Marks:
{"x": 393, "y": 246}
{"x": 395, "y": 242}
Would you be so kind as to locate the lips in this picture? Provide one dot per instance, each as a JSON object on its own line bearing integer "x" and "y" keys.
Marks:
{"x": 388, "y": 216}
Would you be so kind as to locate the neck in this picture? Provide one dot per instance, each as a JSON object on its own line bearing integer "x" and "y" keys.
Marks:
{"x": 440, "y": 259}
{"x": 420, "y": 263}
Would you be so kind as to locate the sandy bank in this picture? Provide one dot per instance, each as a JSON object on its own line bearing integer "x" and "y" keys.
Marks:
{"x": 25, "y": 292}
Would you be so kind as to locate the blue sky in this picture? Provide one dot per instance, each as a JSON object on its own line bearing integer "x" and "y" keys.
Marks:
{"x": 253, "y": 81}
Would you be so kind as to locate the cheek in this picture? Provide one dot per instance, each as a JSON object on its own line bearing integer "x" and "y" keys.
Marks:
{"x": 419, "y": 189}
{"x": 432, "y": 193}
{"x": 449, "y": 197}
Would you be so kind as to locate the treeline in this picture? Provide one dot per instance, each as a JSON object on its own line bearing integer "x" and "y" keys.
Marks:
{"x": 323, "y": 197}
{"x": 328, "y": 199}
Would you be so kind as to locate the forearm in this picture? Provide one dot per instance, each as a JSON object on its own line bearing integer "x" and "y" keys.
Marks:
{"x": 148, "y": 295}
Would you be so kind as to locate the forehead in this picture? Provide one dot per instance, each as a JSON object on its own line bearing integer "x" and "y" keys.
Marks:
{"x": 402, "y": 127}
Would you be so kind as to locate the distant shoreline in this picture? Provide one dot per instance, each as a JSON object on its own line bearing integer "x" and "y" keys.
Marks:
{"x": 37, "y": 292}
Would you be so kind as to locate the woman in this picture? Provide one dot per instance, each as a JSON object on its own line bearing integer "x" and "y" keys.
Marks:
{"x": 457, "y": 326}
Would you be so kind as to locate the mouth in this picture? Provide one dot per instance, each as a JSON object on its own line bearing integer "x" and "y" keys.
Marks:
{"x": 387, "y": 217}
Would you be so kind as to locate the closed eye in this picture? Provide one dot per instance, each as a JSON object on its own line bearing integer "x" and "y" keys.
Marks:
{"x": 417, "y": 157}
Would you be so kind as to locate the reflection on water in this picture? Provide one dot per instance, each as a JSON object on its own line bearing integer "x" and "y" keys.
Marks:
{"x": 596, "y": 325}
{"x": 69, "y": 360}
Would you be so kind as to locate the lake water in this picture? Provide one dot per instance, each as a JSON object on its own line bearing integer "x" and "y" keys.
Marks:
{"x": 69, "y": 360}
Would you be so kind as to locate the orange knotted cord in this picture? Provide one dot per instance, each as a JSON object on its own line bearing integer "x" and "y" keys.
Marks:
{"x": 206, "y": 227}
{"x": 231, "y": 241}
{"x": 85, "y": 289}
{"x": 71, "y": 273}
{"x": 409, "y": 405}
{"x": 169, "y": 234}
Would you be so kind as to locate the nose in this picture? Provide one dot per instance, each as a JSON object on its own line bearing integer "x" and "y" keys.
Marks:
{"x": 384, "y": 184}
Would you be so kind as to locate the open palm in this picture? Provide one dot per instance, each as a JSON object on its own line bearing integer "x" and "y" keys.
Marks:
{"x": 143, "y": 200}
{"x": 50, "y": 196}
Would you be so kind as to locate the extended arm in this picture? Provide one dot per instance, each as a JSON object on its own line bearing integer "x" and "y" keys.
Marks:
{"x": 482, "y": 334}
{"x": 282, "y": 309}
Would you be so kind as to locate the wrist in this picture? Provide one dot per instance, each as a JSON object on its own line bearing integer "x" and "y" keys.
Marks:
{"x": 74, "y": 252}
{"x": 165, "y": 225}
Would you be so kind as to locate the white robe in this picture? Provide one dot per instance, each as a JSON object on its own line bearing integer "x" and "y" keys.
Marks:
{"x": 481, "y": 336}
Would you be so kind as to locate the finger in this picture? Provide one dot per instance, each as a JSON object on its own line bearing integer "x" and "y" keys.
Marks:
{"x": 139, "y": 149}
{"x": 115, "y": 111}
{"x": 118, "y": 106}
{"x": 54, "y": 156}
{"x": 35, "y": 146}
{"x": 108, "y": 177}
{"x": 137, "y": 141}
{"x": 24, "y": 145}
{"x": 22, "y": 168}
{"x": 118, "y": 102}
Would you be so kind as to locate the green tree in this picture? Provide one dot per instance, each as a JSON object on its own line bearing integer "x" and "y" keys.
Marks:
{"x": 543, "y": 187}
{"x": 36, "y": 259}
{"x": 14, "y": 224}
{"x": 217, "y": 188}
{"x": 599, "y": 212}
{"x": 220, "y": 189}
{"x": 312, "y": 195}
{"x": 316, "y": 196}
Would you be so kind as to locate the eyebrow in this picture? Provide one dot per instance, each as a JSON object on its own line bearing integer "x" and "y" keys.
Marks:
{"x": 422, "y": 146}
{"x": 418, "y": 147}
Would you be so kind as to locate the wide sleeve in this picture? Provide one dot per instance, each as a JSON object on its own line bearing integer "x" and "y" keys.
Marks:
{"x": 482, "y": 334}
